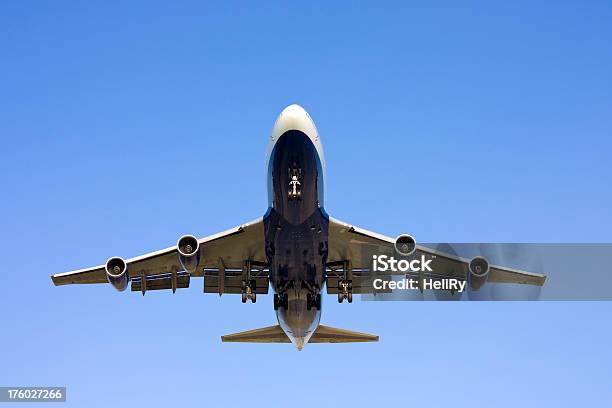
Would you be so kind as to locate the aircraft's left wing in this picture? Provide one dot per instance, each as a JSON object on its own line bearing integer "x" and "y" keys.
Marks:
{"x": 348, "y": 242}
{"x": 222, "y": 259}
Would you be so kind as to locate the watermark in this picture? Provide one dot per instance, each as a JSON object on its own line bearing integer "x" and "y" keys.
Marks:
{"x": 384, "y": 263}
{"x": 484, "y": 271}
{"x": 452, "y": 284}
{"x": 32, "y": 394}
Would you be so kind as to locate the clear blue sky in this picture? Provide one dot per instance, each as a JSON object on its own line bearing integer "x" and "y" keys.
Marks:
{"x": 124, "y": 126}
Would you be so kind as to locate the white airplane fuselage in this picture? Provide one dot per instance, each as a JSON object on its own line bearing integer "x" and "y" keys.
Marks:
{"x": 296, "y": 225}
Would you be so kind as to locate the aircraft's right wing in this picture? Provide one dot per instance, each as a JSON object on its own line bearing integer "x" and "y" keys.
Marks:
{"x": 348, "y": 242}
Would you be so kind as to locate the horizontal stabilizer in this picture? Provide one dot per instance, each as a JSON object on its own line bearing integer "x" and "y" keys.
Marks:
{"x": 323, "y": 334}
{"x": 326, "y": 334}
{"x": 271, "y": 334}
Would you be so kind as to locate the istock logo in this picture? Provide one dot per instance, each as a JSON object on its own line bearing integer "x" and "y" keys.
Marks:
{"x": 384, "y": 263}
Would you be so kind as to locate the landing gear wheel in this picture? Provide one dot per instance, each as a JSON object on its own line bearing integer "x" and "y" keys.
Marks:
{"x": 340, "y": 297}
{"x": 281, "y": 300}
{"x": 244, "y": 297}
{"x": 254, "y": 298}
{"x": 313, "y": 301}
{"x": 349, "y": 297}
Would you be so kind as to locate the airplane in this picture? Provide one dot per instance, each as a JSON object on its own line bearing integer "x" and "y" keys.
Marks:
{"x": 295, "y": 247}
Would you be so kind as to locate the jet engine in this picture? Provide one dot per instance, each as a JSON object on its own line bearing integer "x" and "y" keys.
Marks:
{"x": 116, "y": 273}
{"x": 189, "y": 252}
{"x": 479, "y": 269}
{"x": 405, "y": 245}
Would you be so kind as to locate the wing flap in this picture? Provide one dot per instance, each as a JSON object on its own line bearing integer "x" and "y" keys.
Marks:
{"x": 500, "y": 274}
{"x": 233, "y": 284}
{"x": 161, "y": 282}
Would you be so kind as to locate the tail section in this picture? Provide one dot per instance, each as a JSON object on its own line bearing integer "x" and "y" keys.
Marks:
{"x": 323, "y": 334}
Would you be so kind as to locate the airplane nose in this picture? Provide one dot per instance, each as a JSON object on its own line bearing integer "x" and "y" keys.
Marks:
{"x": 294, "y": 114}
{"x": 294, "y": 117}
{"x": 294, "y": 109}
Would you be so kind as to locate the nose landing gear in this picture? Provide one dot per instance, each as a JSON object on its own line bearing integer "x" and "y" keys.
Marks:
{"x": 295, "y": 174}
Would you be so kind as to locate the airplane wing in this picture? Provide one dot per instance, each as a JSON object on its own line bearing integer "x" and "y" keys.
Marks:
{"x": 222, "y": 261}
{"x": 348, "y": 242}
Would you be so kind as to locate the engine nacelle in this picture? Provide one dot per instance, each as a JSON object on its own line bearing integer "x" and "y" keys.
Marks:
{"x": 116, "y": 273}
{"x": 479, "y": 269}
{"x": 188, "y": 249}
{"x": 405, "y": 245}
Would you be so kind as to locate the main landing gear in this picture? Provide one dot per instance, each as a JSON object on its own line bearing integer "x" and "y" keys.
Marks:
{"x": 281, "y": 300}
{"x": 313, "y": 297}
{"x": 251, "y": 271}
{"x": 248, "y": 291}
{"x": 313, "y": 300}
{"x": 343, "y": 271}
{"x": 345, "y": 290}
